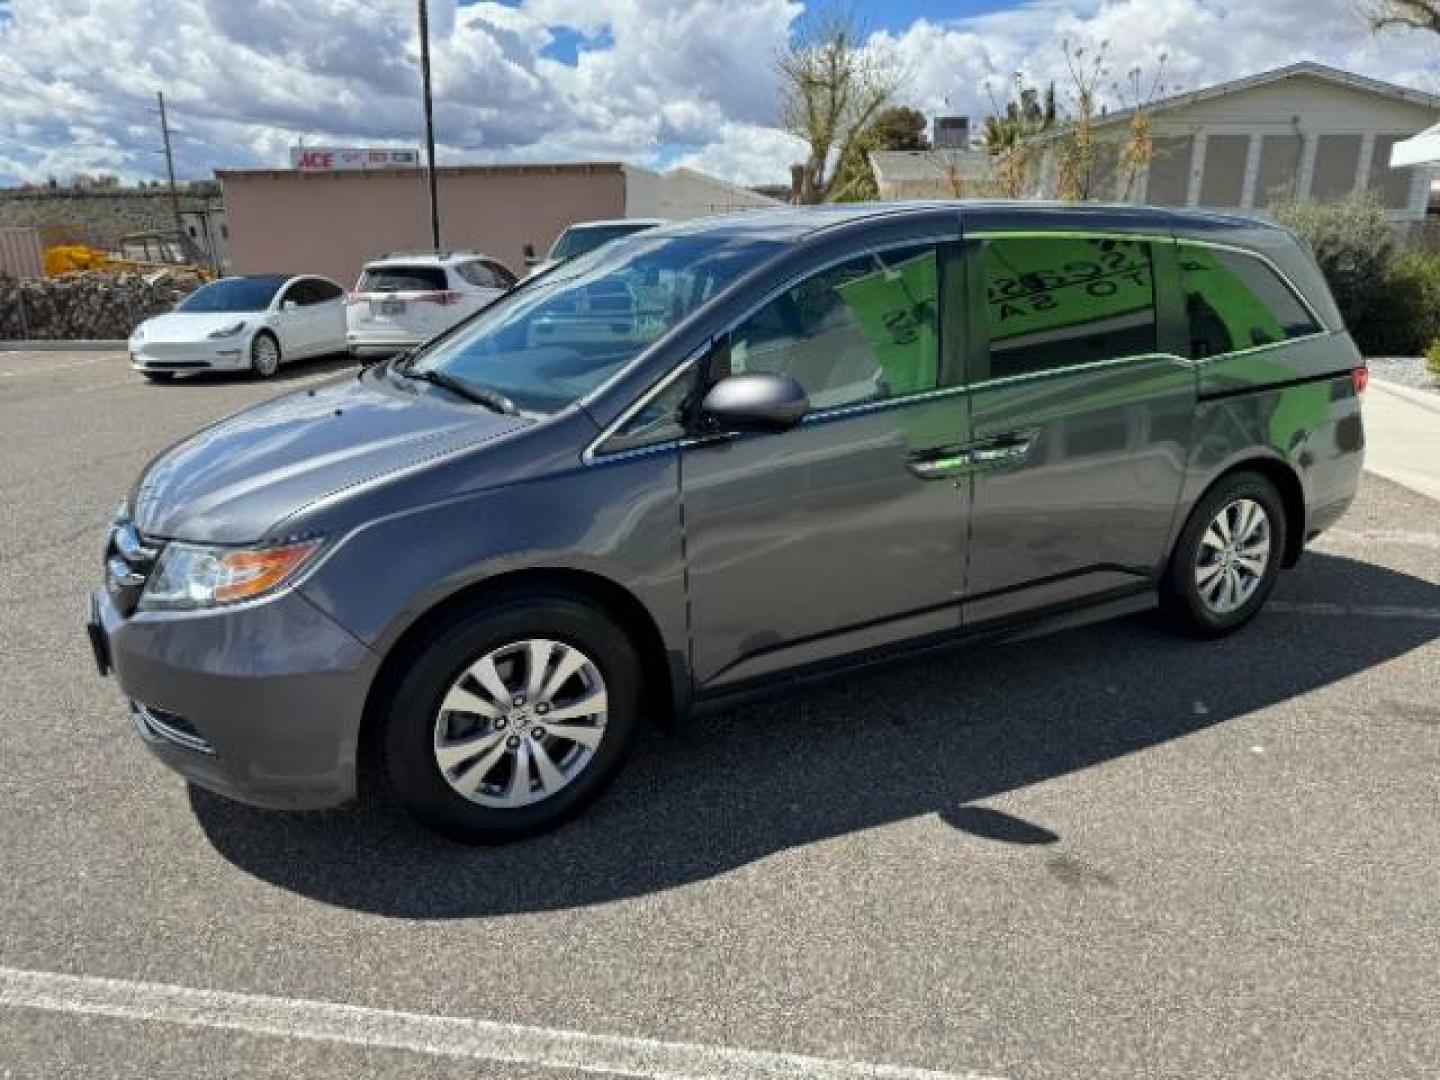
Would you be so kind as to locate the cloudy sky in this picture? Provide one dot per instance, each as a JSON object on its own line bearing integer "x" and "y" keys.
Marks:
{"x": 655, "y": 82}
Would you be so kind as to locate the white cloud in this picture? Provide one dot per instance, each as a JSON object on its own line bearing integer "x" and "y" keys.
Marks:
{"x": 748, "y": 154}
{"x": 687, "y": 80}
{"x": 1204, "y": 42}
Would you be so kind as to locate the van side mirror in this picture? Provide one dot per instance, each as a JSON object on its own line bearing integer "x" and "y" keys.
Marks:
{"x": 288, "y": 305}
{"x": 760, "y": 401}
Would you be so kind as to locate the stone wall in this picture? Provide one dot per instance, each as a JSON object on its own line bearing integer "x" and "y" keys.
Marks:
{"x": 94, "y": 218}
{"x": 94, "y": 305}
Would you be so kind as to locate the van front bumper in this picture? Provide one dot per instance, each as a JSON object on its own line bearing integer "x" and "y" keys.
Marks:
{"x": 260, "y": 702}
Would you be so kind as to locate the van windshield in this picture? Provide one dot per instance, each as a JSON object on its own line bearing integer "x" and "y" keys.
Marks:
{"x": 559, "y": 337}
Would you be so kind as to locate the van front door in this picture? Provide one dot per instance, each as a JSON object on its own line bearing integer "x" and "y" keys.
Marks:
{"x": 1081, "y": 424}
{"x": 845, "y": 532}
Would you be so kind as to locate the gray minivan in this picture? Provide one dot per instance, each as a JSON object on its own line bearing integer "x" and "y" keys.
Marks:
{"x": 807, "y": 439}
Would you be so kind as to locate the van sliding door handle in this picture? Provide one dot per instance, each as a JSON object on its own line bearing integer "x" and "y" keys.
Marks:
{"x": 1002, "y": 450}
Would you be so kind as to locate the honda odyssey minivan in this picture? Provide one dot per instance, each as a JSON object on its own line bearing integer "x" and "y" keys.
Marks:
{"x": 809, "y": 439}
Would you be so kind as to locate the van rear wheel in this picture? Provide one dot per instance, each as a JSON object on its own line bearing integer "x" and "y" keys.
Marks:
{"x": 511, "y": 721}
{"x": 1227, "y": 558}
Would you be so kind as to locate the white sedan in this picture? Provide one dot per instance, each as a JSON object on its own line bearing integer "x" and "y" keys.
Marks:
{"x": 252, "y": 323}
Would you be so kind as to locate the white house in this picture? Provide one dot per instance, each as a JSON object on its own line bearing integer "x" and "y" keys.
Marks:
{"x": 927, "y": 174}
{"x": 1305, "y": 130}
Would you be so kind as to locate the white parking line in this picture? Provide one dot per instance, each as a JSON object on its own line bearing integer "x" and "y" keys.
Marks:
{"x": 1371, "y": 611}
{"x": 445, "y": 1036}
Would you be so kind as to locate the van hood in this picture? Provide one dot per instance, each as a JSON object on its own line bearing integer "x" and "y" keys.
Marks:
{"x": 234, "y": 481}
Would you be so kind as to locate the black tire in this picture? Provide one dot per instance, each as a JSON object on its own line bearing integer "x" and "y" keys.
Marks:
{"x": 408, "y": 737}
{"x": 158, "y": 376}
{"x": 1181, "y": 601}
{"x": 261, "y": 362}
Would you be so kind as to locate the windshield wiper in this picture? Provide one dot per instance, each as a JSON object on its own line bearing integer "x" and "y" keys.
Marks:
{"x": 480, "y": 395}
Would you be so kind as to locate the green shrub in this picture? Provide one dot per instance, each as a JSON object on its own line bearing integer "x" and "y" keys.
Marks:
{"x": 1406, "y": 318}
{"x": 1432, "y": 358}
{"x": 1356, "y": 247}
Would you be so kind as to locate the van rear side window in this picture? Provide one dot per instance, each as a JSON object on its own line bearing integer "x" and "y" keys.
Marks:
{"x": 1063, "y": 301}
{"x": 1237, "y": 301}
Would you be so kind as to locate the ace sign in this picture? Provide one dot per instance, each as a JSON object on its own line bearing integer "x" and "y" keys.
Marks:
{"x": 350, "y": 158}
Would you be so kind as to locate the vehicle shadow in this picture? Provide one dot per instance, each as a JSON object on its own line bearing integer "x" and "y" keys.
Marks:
{"x": 330, "y": 363}
{"x": 929, "y": 736}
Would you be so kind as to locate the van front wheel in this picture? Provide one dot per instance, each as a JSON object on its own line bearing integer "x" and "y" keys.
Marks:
{"x": 1227, "y": 558}
{"x": 513, "y": 720}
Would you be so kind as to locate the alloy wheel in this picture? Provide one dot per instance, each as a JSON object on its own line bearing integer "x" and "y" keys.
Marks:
{"x": 266, "y": 355}
{"x": 520, "y": 723}
{"x": 1233, "y": 555}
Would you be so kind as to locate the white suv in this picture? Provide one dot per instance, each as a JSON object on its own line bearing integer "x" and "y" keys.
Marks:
{"x": 403, "y": 299}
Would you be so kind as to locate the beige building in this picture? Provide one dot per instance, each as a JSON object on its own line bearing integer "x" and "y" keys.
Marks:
{"x": 947, "y": 173}
{"x": 1306, "y": 130}
{"x": 286, "y": 220}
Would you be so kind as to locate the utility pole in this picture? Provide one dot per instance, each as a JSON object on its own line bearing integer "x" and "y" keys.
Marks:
{"x": 170, "y": 169}
{"x": 429, "y": 123}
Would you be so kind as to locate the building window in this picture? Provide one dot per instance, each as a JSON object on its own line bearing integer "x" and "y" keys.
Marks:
{"x": 1236, "y": 302}
{"x": 1392, "y": 185}
{"x": 1170, "y": 170}
{"x": 1278, "y": 175}
{"x": 1337, "y": 161}
{"x": 1223, "y": 184}
{"x": 1060, "y": 302}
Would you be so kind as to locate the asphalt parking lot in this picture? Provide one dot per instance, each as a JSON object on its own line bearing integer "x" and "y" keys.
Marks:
{"x": 1104, "y": 853}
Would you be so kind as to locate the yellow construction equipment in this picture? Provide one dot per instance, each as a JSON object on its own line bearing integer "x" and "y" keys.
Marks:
{"x": 64, "y": 259}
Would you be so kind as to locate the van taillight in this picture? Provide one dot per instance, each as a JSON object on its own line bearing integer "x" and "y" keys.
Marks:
{"x": 1361, "y": 378}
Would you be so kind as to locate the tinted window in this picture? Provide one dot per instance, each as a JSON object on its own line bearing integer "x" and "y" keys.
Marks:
{"x": 862, "y": 331}
{"x": 476, "y": 274}
{"x": 563, "y": 335}
{"x": 1056, "y": 302}
{"x": 402, "y": 279}
{"x": 503, "y": 277}
{"x": 233, "y": 294}
{"x": 661, "y": 419}
{"x": 299, "y": 293}
{"x": 1237, "y": 301}
{"x": 324, "y": 290}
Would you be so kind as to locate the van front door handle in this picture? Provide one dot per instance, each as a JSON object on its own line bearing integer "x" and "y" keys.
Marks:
{"x": 942, "y": 466}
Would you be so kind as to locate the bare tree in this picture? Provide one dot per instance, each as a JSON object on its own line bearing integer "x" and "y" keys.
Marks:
{"x": 1011, "y": 137}
{"x": 1411, "y": 14}
{"x": 1138, "y": 95}
{"x": 1075, "y": 165}
{"x": 833, "y": 89}
{"x": 1078, "y": 152}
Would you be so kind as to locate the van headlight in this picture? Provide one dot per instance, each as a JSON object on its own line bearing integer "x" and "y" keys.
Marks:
{"x": 197, "y": 576}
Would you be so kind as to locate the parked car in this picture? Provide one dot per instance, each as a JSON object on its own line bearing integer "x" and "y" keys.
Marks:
{"x": 256, "y": 322}
{"x": 844, "y": 433}
{"x": 404, "y": 299}
{"x": 583, "y": 237}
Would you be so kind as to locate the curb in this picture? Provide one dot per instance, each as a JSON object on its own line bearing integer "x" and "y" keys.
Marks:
{"x": 1425, "y": 399}
{"x": 56, "y": 345}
